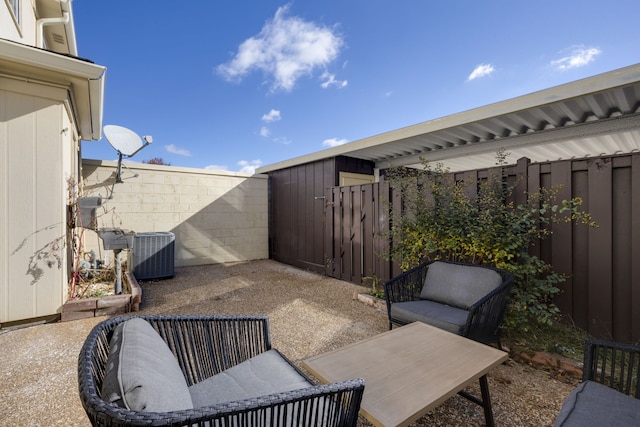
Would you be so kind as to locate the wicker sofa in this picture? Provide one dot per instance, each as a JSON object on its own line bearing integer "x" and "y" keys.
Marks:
{"x": 609, "y": 394}
{"x": 465, "y": 299}
{"x": 202, "y": 371}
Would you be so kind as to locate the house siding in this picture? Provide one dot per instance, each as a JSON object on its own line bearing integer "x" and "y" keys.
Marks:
{"x": 33, "y": 207}
{"x": 24, "y": 31}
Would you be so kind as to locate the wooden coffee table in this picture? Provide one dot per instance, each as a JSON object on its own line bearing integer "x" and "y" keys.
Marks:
{"x": 410, "y": 370}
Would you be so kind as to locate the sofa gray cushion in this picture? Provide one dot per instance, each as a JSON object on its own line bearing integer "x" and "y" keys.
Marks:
{"x": 264, "y": 374}
{"x": 595, "y": 404}
{"x": 458, "y": 285}
{"x": 443, "y": 316}
{"x": 141, "y": 373}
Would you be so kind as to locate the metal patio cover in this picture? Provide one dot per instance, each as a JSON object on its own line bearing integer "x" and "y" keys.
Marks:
{"x": 595, "y": 116}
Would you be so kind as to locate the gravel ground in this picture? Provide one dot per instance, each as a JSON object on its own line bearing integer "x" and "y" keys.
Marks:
{"x": 309, "y": 314}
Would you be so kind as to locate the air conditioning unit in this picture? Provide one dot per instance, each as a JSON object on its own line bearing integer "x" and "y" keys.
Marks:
{"x": 152, "y": 256}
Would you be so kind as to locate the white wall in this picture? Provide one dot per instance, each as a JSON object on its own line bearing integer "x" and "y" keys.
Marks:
{"x": 24, "y": 33}
{"x": 216, "y": 217}
{"x": 39, "y": 154}
{"x": 34, "y": 167}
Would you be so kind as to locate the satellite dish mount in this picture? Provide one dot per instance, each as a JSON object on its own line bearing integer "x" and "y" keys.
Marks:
{"x": 126, "y": 142}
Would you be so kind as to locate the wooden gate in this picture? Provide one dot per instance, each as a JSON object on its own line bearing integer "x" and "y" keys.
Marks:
{"x": 356, "y": 220}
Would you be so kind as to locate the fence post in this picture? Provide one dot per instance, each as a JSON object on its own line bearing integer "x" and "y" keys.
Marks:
{"x": 522, "y": 181}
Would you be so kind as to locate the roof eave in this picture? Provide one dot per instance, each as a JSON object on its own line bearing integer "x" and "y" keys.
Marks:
{"x": 86, "y": 81}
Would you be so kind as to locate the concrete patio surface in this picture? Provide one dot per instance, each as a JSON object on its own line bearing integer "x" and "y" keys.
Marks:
{"x": 308, "y": 313}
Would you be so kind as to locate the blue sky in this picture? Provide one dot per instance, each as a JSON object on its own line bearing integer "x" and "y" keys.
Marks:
{"x": 234, "y": 85}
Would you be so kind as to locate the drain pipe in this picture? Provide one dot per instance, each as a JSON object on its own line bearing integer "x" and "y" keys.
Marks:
{"x": 64, "y": 20}
{"x": 69, "y": 27}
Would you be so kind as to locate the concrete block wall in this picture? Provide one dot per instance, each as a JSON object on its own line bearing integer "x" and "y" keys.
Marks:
{"x": 217, "y": 217}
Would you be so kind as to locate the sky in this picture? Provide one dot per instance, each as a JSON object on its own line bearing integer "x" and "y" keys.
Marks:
{"x": 234, "y": 85}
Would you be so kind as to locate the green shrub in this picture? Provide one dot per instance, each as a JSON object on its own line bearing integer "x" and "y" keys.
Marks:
{"x": 439, "y": 220}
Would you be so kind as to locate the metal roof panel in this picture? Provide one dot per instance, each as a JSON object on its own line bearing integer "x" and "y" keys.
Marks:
{"x": 549, "y": 124}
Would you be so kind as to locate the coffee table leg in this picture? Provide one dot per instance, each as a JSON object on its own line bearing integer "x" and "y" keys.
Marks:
{"x": 486, "y": 401}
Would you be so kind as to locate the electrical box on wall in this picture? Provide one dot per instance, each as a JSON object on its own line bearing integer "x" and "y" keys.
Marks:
{"x": 88, "y": 207}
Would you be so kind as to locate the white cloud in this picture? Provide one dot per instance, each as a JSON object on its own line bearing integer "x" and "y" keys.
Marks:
{"x": 330, "y": 80}
{"x": 249, "y": 166}
{"x": 282, "y": 140}
{"x": 334, "y": 142}
{"x": 217, "y": 168}
{"x": 286, "y": 49}
{"x": 177, "y": 150}
{"x": 481, "y": 71}
{"x": 272, "y": 116}
{"x": 264, "y": 131}
{"x": 579, "y": 56}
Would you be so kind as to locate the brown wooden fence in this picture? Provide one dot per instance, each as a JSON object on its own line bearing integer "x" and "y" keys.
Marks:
{"x": 602, "y": 292}
{"x": 357, "y": 217}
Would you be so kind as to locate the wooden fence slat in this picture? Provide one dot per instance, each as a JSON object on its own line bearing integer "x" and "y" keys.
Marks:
{"x": 620, "y": 254}
{"x": 470, "y": 180}
{"x": 635, "y": 248}
{"x": 533, "y": 184}
{"x": 285, "y": 239}
{"x": 580, "y": 260}
{"x": 339, "y": 240}
{"x": 367, "y": 220}
{"x": 328, "y": 233}
{"x": 319, "y": 220}
{"x": 522, "y": 173}
{"x": 561, "y": 254}
{"x": 355, "y": 234}
{"x": 600, "y": 248}
{"x": 302, "y": 221}
{"x": 336, "y": 241}
{"x": 383, "y": 194}
{"x": 347, "y": 223}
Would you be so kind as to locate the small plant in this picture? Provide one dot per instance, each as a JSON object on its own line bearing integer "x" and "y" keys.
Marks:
{"x": 439, "y": 220}
{"x": 94, "y": 283}
{"x": 557, "y": 338}
{"x": 377, "y": 290}
{"x": 99, "y": 294}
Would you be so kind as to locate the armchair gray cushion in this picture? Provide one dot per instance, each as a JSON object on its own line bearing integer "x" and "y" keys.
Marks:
{"x": 264, "y": 374}
{"x": 141, "y": 373}
{"x": 442, "y": 316}
{"x": 204, "y": 347}
{"x": 458, "y": 285}
{"x": 595, "y": 404}
{"x": 441, "y": 292}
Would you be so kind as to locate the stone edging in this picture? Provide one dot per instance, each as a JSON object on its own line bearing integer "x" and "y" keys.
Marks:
{"x": 560, "y": 364}
{"x": 371, "y": 301}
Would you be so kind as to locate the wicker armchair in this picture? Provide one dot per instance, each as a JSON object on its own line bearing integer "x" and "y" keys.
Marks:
{"x": 610, "y": 390}
{"x": 409, "y": 298}
{"x": 615, "y": 365}
{"x": 205, "y": 346}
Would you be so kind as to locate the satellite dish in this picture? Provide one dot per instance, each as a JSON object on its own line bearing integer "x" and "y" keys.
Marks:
{"x": 126, "y": 142}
